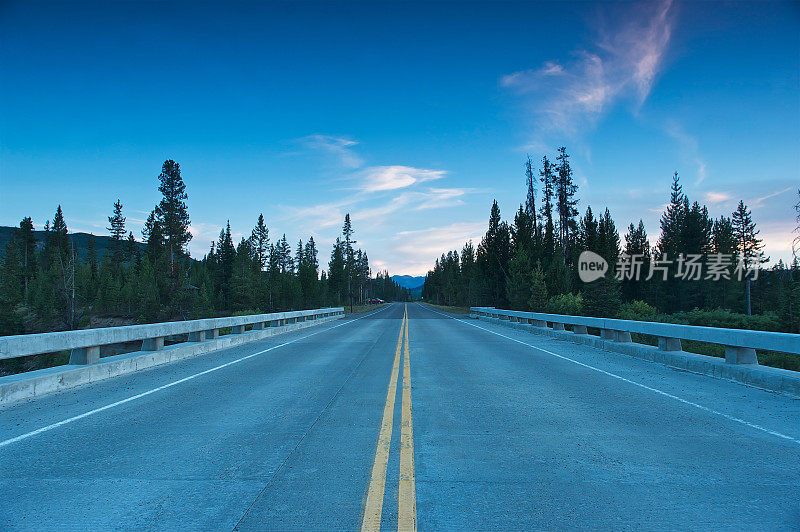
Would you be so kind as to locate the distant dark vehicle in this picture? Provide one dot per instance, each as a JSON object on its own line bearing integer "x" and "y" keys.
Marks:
{"x": 375, "y": 301}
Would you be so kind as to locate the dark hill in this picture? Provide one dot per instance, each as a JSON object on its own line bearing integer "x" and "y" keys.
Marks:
{"x": 103, "y": 244}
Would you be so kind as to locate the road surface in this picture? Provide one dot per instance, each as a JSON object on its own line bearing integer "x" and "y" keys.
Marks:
{"x": 464, "y": 425}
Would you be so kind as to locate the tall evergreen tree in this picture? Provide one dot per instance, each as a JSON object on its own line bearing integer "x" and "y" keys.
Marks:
{"x": 548, "y": 178}
{"x": 637, "y": 247}
{"x": 117, "y": 229}
{"x": 349, "y": 256}
{"x": 608, "y": 239}
{"x": 28, "y": 243}
{"x": 565, "y": 189}
{"x": 260, "y": 241}
{"x": 530, "y": 197}
{"x": 587, "y": 233}
{"x": 493, "y": 257}
{"x": 670, "y": 243}
{"x": 172, "y": 211}
{"x": 748, "y": 245}
{"x": 57, "y": 240}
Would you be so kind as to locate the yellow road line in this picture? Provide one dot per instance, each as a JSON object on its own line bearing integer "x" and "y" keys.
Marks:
{"x": 374, "y": 504}
{"x": 407, "y": 495}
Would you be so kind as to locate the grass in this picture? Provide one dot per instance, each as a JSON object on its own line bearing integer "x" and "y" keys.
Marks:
{"x": 360, "y": 309}
{"x": 452, "y": 310}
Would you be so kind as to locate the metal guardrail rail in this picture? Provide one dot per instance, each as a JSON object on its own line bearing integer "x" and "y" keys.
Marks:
{"x": 85, "y": 344}
{"x": 740, "y": 344}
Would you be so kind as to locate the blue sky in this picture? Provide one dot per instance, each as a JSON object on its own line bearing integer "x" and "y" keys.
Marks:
{"x": 412, "y": 117}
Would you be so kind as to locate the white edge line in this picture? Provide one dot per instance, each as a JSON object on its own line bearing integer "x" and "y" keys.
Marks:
{"x": 614, "y": 375}
{"x": 174, "y": 383}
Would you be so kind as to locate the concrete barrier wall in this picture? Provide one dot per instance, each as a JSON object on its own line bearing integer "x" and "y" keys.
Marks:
{"x": 34, "y": 344}
{"x": 668, "y": 352}
{"x": 36, "y": 383}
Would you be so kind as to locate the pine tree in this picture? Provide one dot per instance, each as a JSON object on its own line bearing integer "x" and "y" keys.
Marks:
{"x": 11, "y": 289}
{"x": 522, "y": 232}
{"x": 530, "y": 198}
{"x": 636, "y": 242}
{"x": 172, "y": 211}
{"x": 637, "y": 247}
{"x": 697, "y": 228}
{"x": 28, "y": 243}
{"x": 260, "y": 241}
{"x": 131, "y": 251}
{"x": 153, "y": 235}
{"x": 608, "y": 239}
{"x": 587, "y": 233}
{"x": 349, "y": 256}
{"x": 518, "y": 284}
{"x": 57, "y": 241}
{"x": 117, "y": 230}
{"x": 565, "y": 189}
{"x": 493, "y": 257}
{"x": 722, "y": 239}
{"x": 548, "y": 181}
{"x": 538, "y": 299}
{"x": 336, "y": 274}
{"x": 796, "y": 240}
{"x": 670, "y": 243}
{"x": 748, "y": 245}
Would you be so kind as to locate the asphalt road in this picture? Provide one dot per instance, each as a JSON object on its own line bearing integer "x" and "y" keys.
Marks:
{"x": 324, "y": 428}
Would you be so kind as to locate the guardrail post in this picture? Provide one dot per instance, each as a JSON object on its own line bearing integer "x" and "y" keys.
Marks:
{"x": 197, "y": 336}
{"x": 540, "y": 323}
{"x": 557, "y": 326}
{"x": 153, "y": 344}
{"x": 669, "y": 344}
{"x": 237, "y": 329}
{"x": 579, "y": 329}
{"x": 85, "y": 355}
{"x": 608, "y": 334}
{"x": 623, "y": 337}
{"x": 740, "y": 355}
{"x": 212, "y": 334}
{"x": 258, "y": 326}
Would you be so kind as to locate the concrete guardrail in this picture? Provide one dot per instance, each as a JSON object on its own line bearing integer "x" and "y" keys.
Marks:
{"x": 740, "y": 363}
{"x": 85, "y": 364}
{"x": 85, "y": 344}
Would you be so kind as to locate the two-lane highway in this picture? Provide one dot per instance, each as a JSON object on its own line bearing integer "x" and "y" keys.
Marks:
{"x": 403, "y": 417}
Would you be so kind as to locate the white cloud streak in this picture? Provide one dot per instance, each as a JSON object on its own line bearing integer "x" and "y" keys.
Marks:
{"x": 571, "y": 97}
{"x": 380, "y": 178}
{"x": 341, "y": 147}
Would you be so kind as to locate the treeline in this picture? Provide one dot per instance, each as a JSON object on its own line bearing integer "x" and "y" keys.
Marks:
{"x": 49, "y": 286}
{"x": 531, "y": 263}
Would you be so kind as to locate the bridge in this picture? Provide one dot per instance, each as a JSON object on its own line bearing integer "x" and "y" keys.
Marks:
{"x": 401, "y": 418}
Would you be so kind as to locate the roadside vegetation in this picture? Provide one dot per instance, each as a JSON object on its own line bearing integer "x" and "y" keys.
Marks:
{"x": 360, "y": 309}
{"x": 531, "y": 263}
{"x": 48, "y": 283}
{"x": 453, "y": 309}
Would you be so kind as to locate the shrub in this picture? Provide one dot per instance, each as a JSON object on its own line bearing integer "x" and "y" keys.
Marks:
{"x": 637, "y": 310}
{"x": 570, "y": 304}
{"x": 769, "y": 321}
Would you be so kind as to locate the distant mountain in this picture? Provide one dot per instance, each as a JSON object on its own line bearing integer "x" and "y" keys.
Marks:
{"x": 408, "y": 281}
{"x": 102, "y": 243}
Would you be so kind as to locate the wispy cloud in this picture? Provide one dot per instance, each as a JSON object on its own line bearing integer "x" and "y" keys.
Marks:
{"x": 569, "y": 97}
{"x": 417, "y": 250}
{"x": 341, "y": 147}
{"x": 689, "y": 148}
{"x": 715, "y": 198}
{"x": 758, "y": 201}
{"x": 380, "y": 178}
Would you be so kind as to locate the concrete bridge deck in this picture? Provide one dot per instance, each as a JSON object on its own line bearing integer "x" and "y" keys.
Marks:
{"x": 511, "y": 430}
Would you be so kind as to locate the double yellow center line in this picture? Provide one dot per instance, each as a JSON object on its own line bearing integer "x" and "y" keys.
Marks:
{"x": 406, "y": 497}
